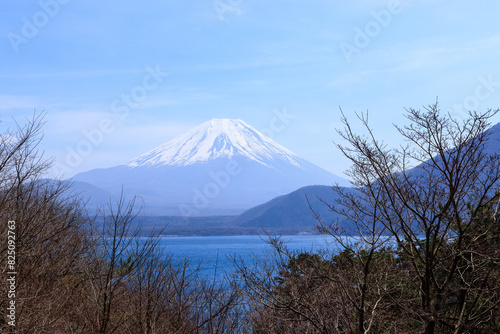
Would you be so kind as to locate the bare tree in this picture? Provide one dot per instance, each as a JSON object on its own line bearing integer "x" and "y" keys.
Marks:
{"x": 435, "y": 213}
{"x": 117, "y": 255}
{"x": 81, "y": 274}
{"x": 334, "y": 290}
{"x": 366, "y": 266}
{"x": 50, "y": 236}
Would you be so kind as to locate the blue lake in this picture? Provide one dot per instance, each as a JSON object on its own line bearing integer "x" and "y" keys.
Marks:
{"x": 216, "y": 252}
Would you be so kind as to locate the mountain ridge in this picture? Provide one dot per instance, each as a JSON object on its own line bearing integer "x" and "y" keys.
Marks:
{"x": 219, "y": 167}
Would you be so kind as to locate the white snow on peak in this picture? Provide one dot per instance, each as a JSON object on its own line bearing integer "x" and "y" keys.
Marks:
{"x": 215, "y": 139}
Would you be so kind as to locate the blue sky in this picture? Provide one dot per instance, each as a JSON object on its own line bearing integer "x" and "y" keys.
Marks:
{"x": 118, "y": 78}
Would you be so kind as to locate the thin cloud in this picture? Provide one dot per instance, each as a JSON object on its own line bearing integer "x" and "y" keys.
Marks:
{"x": 20, "y": 102}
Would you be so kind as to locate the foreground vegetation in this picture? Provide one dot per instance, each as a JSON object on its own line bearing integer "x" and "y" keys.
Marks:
{"x": 426, "y": 257}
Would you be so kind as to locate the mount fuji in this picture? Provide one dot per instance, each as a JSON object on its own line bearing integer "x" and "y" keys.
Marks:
{"x": 220, "y": 167}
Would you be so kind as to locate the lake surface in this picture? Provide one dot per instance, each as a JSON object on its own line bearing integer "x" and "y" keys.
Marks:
{"x": 216, "y": 252}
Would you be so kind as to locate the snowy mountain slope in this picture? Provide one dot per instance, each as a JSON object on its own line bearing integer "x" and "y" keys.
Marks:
{"x": 215, "y": 139}
{"x": 220, "y": 167}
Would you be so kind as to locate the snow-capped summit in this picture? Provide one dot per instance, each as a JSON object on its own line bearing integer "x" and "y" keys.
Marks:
{"x": 223, "y": 166}
{"x": 215, "y": 139}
